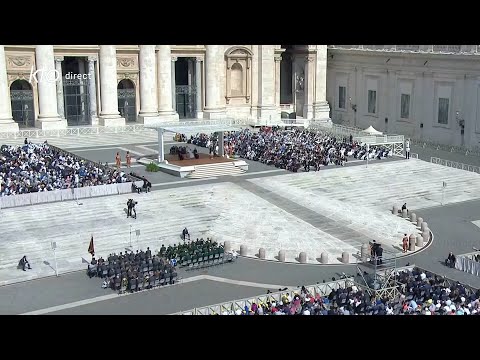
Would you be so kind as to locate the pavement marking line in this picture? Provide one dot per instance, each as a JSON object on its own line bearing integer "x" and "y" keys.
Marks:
{"x": 243, "y": 283}
{"x": 115, "y": 295}
{"x": 99, "y": 299}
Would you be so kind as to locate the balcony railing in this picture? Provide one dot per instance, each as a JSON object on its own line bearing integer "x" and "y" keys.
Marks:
{"x": 439, "y": 49}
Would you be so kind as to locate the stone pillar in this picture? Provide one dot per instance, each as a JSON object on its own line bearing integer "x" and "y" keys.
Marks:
{"x": 166, "y": 111}
{"x": 411, "y": 243}
{"x": 108, "y": 87}
{"x": 266, "y": 85}
{"x": 174, "y": 84}
{"x": 6, "y": 121}
{"x": 419, "y": 241}
{"x": 321, "y": 109}
{"x": 214, "y": 83}
{"x": 281, "y": 256}
{"x": 324, "y": 258}
{"x": 198, "y": 85}
{"x": 309, "y": 86}
{"x": 221, "y": 143}
{"x": 424, "y": 226}
{"x": 48, "y": 117}
{"x": 395, "y": 210}
{"x": 404, "y": 213}
{"x": 419, "y": 221}
{"x": 92, "y": 90}
{"x": 364, "y": 253}
{"x": 278, "y": 59}
{"x": 345, "y": 257}
{"x": 161, "y": 151}
{"x": 426, "y": 236}
{"x": 243, "y": 250}
{"x": 148, "y": 85}
{"x": 60, "y": 102}
{"x": 302, "y": 257}
{"x": 227, "y": 246}
{"x": 413, "y": 217}
{"x": 83, "y": 105}
{"x": 261, "y": 253}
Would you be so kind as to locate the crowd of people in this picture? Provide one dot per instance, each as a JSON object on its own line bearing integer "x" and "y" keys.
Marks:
{"x": 133, "y": 271}
{"x": 142, "y": 270}
{"x": 40, "y": 167}
{"x": 293, "y": 149}
{"x": 423, "y": 293}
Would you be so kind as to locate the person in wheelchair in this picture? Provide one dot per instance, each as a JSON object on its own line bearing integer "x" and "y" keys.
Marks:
{"x": 136, "y": 188}
{"x": 147, "y": 185}
{"x": 450, "y": 260}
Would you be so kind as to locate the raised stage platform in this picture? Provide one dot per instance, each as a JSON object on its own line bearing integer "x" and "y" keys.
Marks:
{"x": 200, "y": 168}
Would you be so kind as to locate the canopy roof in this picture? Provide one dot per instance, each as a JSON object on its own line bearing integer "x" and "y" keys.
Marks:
{"x": 371, "y": 130}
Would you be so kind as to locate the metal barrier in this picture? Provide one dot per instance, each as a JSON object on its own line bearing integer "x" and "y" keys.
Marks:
{"x": 473, "y": 151}
{"x": 455, "y": 165}
{"x": 218, "y": 309}
{"x": 321, "y": 289}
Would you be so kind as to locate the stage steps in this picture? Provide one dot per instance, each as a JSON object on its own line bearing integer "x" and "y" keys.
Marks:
{"x": 214, "y": 170}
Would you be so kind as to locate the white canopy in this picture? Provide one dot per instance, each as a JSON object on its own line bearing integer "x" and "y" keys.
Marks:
{"x": 371, "y": 130}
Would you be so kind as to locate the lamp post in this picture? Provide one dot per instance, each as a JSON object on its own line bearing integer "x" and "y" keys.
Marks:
{"x": 54, "y": 247}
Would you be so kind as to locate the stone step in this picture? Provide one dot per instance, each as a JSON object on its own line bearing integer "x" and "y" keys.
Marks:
{"x": 215, "y": 170}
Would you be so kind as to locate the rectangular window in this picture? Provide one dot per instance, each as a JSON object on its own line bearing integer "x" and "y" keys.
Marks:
{"x": 342, "y": 94}
{"x": 372, "y": 101}
{"x": 443, "y": 104}
{"x": 405, "y": 106}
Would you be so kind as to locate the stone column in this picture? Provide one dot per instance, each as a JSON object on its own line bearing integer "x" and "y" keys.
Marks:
{"x": 174, "y": 84}
{"x": 309, "y": 86}
{"x": 215, "y": 83}
{"x": 161, "y": 152}
{"x": 48, "y": 117}
{"x": 81, "y": 71}
{"x": 321, "y": 109}
{"x": 198, "y": 85}
{"x": 148, "y": 85}
{"x": 166, "y": 111}
{"x": 6, "y": 120}
{"x": 266, "y": 86}
{"x": 60, "y": 100}
{"x": 278, "y": 59}
{"x": 108, "y": 87}
{"x": 92, "y": 90}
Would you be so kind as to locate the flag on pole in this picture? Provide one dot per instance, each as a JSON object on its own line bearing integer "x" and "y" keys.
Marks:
{"x": 91, "y": 248}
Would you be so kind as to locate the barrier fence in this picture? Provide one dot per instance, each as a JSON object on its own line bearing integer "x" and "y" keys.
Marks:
{"x": 321, "y": 289}
{"x": 455, "y": 165}
{"x": 218, "y": 309}
{"x": 74, "y": 193}
{"x": 467, "y": 263}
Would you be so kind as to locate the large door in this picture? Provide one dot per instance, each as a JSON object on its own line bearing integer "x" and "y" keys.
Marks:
{"x": 127, "y": 100}
{"x": 76, "y": 95}
{"x": 185, "y": 96}
{"x": 21, "y": 96}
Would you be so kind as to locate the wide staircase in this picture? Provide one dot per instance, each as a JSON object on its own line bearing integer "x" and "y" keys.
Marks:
{"x": 214, "y": 170}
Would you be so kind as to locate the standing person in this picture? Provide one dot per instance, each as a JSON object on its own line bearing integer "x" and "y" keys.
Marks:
{"x": 118, "y": 160}
{"x": 128, "y": 157}
{"x": 405, "y": 243}
{"x": 407, "y": 149}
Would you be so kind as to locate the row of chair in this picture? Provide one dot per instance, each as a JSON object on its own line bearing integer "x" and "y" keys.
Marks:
{"x": 135, "y": 285}
{"x": 206, "y": 260}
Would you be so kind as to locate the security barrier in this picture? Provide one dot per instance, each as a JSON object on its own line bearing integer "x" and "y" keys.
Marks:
{"x": 455, "y": 165}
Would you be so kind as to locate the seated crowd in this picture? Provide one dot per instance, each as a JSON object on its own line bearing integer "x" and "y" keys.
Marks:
{"x": 133, "y": 271}
{"x": 423, "y": 294}
{"x": 293, "y": 149}
{"x": 142, "y": 270}
{"x": 40, "y": 167}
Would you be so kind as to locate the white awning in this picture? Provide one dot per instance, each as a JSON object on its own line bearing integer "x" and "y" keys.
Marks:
{"x": 372, "y": 131}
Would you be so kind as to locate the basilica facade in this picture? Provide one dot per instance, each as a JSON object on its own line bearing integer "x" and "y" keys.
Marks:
{"x": 429, "y": 92}
{"x": 54, "y": 86}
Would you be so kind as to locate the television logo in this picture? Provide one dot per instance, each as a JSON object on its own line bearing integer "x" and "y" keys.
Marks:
{"x": 53, "y": 76}
{"x": 44, "y": 75}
